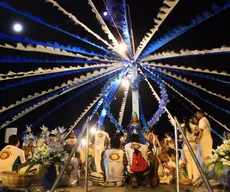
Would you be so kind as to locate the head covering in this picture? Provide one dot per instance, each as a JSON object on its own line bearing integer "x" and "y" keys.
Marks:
{"x": 134, "y": 114}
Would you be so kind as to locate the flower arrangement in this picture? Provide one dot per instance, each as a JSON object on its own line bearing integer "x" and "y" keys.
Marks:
{"x": 48, "y": 150}
{"x": 221, "y": 158}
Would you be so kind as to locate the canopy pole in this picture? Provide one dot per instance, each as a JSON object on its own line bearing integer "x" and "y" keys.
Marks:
{"x": 177, "y": 159}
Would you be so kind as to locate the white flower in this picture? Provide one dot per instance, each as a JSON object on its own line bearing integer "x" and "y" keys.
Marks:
{"x": 44, "y": 128}
{"x": 28, "y": 129}
{"x": 54, "y": 132}
{"x": 61, "y": 130}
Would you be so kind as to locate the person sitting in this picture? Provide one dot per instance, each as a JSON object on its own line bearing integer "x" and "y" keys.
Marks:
{"x": 11, "y": 157}
{"x": 70, "y": 178}
{"x": 140, "y": 162}
{"x": 170, "y": 169}
{"x": 113, "y": 162}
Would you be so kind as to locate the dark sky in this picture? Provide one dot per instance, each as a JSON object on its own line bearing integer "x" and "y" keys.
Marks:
{"x": 212, "y": 33}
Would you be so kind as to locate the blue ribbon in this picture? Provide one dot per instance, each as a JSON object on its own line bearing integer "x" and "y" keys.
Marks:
{"x": 106, "y": 104}
{"x": 181, "y": 29}
{"x": 90, "y": 86}
{"x": 42, "y": 77}
{"x": 190, "y": 90}
{"x": 196, "y": 75}
{"x": 142, "y": 115}
{"x": 54, "y": 45}
{"x": 37, "y": 19}
{"x": 163, "y": 99}
{"x": 18, "y": 59}
{"x": 21, "y": 108}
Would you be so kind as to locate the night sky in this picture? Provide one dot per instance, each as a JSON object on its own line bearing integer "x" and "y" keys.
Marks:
{"x": 213, "y": 33}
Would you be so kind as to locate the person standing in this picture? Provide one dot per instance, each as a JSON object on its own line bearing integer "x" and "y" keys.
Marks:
{"x": 206, "y": 141}
{"x": 189, "y": 131}
{"x": 11, "y": 157}
{"x": 101, "y": 144}
{"x": 113, "y": 164}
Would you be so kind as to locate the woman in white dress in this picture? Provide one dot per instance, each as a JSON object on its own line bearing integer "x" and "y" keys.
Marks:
{"x": 189, "y": 131}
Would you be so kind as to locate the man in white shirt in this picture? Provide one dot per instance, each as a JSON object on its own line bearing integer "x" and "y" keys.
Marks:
{"x": 113, "y": 163}
{"x": 206, "y": 138}
{"x": 11, "y": 157}
{"x": 101, "y": 143}
{"x": 147, "y": 155}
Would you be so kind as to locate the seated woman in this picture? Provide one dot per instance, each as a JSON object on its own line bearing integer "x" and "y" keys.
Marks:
{"x": 113, "y": 162}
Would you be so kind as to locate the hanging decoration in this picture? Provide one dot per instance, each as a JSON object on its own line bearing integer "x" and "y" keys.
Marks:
{"x": 190, "y": 82}
{"x": 52, "y": 96}
{"x": 194, "y": 105}
{"x": 123, "y": 104}
{"x": 193, "y": 92}
{"x": 142, "y": 116}
{"x": 198, "y": 70}
{"x": 77, "y": 22}
{"x": 50, "y": 50}
{"x": 54, "y": 45}
{"x": 195, "y": 75}
{"x": 185, "y": 52}
{"x": 41, "y": 71}
{"x": 106, "y": 104}
{"x": 164, "y": 11}
{"x": 182, "y": 29}
{"x": 18, "y": 59}
{"x": 162, "y": 101}
{"x": 37, "y": 19}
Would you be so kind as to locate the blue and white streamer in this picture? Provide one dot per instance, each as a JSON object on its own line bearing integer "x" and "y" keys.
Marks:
{"x": 182, "y": 29}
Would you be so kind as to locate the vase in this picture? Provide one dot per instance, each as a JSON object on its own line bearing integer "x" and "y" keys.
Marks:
{"x": 49, "y": 178}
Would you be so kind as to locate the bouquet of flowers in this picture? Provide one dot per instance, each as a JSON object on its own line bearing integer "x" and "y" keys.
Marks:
{"x": 221, "y": 158}
{"x": 48, "y": 151}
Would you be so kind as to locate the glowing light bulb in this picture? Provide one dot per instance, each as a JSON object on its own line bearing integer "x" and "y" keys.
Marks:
{"x": 17, "y": 27}
{"x": 105, "y": 13}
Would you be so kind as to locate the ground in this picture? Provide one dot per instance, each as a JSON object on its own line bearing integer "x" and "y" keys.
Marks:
{"x": 128, "y": 188}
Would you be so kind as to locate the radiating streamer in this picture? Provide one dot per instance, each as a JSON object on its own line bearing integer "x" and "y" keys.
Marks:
{"x": 54, "y": 45}
{"x": 37, "y": 19}
{"x": 43, "y": 77}
{"x": 185, "y": 52}
{"x": 90, "y": 78}
{"x": 196, "y": 75}
{"x": 194, "y": 84}
{"x": 181, "y": 29}
{"x": 198, "y": 70}
{"x": 123, "y": 104}
{"x": 164, "y": 11}
{"x": 76, "y": 21}
{"x": 179, "y": 84}
{"x": 18, "y": 59}
{"x": 41, "y": 71}
{"x": 50, "y": 50}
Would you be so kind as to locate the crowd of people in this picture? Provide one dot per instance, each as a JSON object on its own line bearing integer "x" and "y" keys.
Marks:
{"x": 134, "y": 157}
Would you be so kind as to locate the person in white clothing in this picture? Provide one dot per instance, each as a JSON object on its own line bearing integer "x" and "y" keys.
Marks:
{"x": 101, "y": 144}
{"x": 11, "y": 157}
{"x": 113, "y": 163}
{"x": 189, "y": 131}
{"x": 206, "y": 137}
